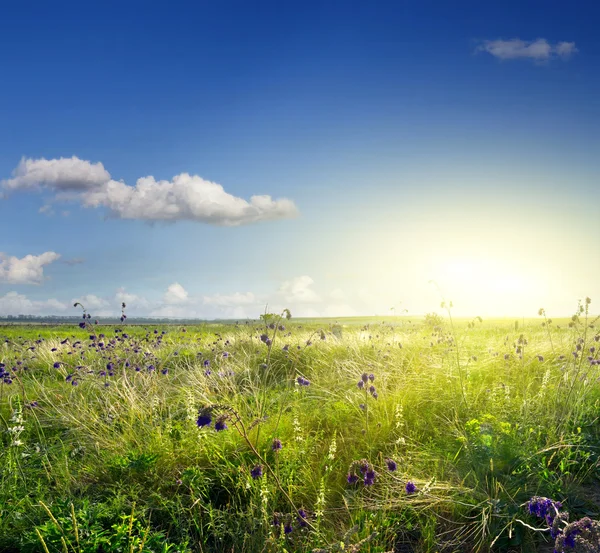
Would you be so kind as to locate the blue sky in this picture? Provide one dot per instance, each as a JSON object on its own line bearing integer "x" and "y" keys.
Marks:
{"x": 398, "y": 143}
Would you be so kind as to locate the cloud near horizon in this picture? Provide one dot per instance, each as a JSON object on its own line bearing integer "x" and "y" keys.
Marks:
{"x": 176, "y": 302}
{"x": 184, "y": 197}
{"x": 539, "y": 50}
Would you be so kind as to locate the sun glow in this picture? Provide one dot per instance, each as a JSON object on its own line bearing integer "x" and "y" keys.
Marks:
{"x": 485, "y": 285}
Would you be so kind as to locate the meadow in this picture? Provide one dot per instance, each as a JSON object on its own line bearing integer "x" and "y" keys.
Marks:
{"x": 392, "y": 434}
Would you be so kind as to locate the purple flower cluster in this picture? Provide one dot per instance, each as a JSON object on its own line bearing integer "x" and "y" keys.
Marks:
{"x": 367, "y": 472}
{"x": 363, "y": 382}
{"x": 545, "y": 508}
{"x": 302, "y": 381}
{"x": 205, "y": 418}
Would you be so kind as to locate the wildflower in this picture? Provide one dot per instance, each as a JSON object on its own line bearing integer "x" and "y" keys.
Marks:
{"x": 364, "y": 377}
{"x": 302, "y": 381}
{"x": 302, "y": 518}
{"x": 220, "y": 424}
{"x": 360, "y": 384}
{"x": 57, "y": 365}
{"x": 276, "y": 445}
{"x": 288, "y": 528}
{"x": 256, "y": 472}
{"x": 371, "y": 377}
{"x": 352, "y": 478}
{"x": 369, "y": 479}
{"x": 204, "y": 419}
{"x": 410, "y": 488}
{"x": 371, "y": 389}
{"x": 391, "y": 465}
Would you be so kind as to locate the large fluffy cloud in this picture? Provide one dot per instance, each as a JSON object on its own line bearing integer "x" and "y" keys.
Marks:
{"x": 185, "y": 197}
{"x": 539, "y": 50}
{"x": 25, "y": 270}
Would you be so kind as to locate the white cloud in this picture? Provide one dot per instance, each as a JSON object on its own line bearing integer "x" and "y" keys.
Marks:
{"x": 91, "y": 302}
{"x": 539, "y": 50}
{"x": 64, "y": 174}
{"x": 298, "y": 290}
{"x": 132, "y": 301}
{"x": 175, "y": 294}
{"x": 13, "y": 303}
{"x": 27, "y": 270}
{"x": 185, "y": 197}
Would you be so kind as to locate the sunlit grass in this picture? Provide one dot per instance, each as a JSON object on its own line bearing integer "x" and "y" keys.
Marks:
{"x": 478, "y": 415}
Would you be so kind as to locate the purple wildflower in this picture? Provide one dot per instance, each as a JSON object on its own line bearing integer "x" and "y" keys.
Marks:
{"x": 204, "y": 419}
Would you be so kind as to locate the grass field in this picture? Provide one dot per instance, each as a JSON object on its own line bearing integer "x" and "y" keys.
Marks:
{"x": 424, "y": 435}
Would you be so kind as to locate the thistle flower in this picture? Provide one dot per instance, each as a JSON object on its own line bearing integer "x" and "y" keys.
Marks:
{"x": 204, "y": 419}
{"x": 220, "y": 424}
{"x": 256, "y": 472}
{"x": 302, "y": 516}
{"x": 369, "y": 479}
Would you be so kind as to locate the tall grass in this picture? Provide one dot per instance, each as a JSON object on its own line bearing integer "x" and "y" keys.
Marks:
{"x": 478, "y": 416}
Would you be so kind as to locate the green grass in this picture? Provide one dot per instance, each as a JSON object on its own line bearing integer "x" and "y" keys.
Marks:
{"x": 124, "y": 467}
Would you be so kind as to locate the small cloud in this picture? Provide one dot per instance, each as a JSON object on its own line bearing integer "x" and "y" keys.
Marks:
{"x": 26, "y": 270}
{"x": 175, "y": 294}
{"x": 47, "y": 209}
{"x": 133, "y": 301}
{"x": 91, "y": 302}
{"x": 299, "y": 290}
{"x": 539, "y": 50}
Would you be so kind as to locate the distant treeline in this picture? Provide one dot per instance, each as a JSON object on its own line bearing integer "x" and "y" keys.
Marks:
{"x": 72, "y": 320}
